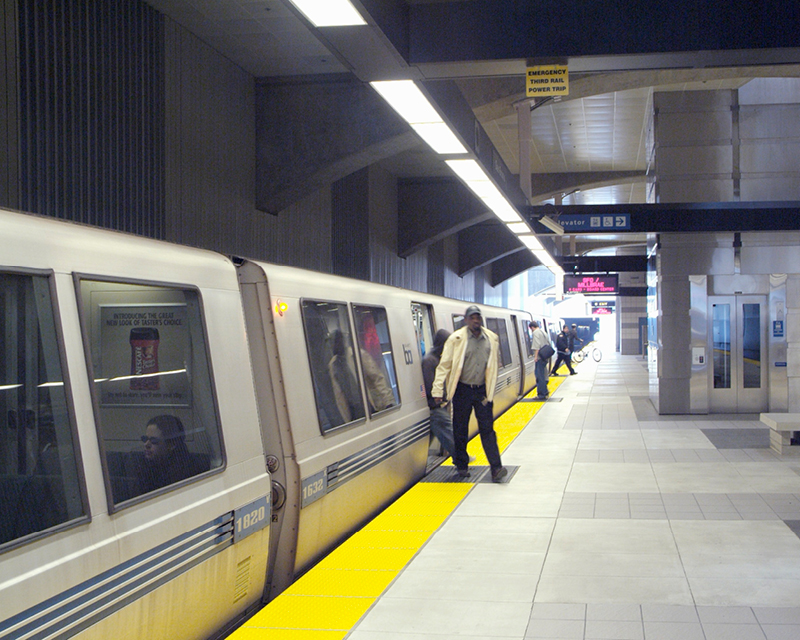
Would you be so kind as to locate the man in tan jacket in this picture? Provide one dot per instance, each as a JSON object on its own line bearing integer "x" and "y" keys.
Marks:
{"x": 469, "y": 366}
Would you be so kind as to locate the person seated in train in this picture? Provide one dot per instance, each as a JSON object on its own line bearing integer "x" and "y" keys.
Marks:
{"x": 345, "y": 387}
{"x": 166, "y": 458}
{"x": 379, "y": 392}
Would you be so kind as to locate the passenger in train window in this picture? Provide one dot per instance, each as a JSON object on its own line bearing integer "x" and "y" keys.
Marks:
{"x": 166, "y": 458}
{"x": 539, "y": 340}
{"x": 441, "y": 423}
{"x": 345, "y": 387}
{"x": 379, "y": 391}
{"x": 468, "y": 368}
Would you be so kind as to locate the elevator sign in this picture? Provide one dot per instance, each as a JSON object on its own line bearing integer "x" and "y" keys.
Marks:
{"x": 595, "y": 222}
{"x": 547, "y": 81}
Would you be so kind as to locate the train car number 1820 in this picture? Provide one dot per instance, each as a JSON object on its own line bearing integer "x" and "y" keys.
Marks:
{"x": 250, "y": 518}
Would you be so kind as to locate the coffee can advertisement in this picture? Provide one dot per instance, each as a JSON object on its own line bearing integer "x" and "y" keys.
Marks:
{"x": 144, "y": 355}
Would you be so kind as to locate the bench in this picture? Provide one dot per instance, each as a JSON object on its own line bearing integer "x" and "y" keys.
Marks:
{"x": 781, "y": 428}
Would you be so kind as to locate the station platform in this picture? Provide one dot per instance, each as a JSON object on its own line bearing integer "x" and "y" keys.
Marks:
{"x": 616, "y": 524}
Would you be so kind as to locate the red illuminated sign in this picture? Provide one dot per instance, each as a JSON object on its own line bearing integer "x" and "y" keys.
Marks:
{"x": 602, "y": 311}
{"x": 607, "y": 284}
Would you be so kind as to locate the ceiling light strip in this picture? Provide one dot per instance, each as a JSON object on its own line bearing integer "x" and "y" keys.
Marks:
{"x": 406, "y": 98}
{"x": 410, "y": 103}
{"x": 330, "y": 13}
{"x": 479, "y": 183}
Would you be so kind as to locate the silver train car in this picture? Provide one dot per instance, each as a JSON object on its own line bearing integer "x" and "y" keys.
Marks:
{"x": 182, "y": 435}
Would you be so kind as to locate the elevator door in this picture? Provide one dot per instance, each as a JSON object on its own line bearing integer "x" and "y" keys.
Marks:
{"x": 739, "y": 345}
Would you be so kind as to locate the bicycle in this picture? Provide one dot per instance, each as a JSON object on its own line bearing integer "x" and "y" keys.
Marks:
{"x": 594, "y": 350}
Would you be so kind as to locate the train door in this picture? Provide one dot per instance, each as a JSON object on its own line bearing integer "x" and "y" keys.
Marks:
{"x": 422, "y": 315}
{"x": 739, "y": 345}
{"x": 522, "y": 354}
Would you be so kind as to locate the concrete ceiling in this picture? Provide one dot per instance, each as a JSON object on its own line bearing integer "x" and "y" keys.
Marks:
{"x": 578, "y": 143}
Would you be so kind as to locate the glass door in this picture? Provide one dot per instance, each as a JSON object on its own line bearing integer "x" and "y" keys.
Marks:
{"x": 739, "y": 346}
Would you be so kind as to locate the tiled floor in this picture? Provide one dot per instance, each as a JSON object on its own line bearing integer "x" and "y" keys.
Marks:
{"x": 619, "y": 524}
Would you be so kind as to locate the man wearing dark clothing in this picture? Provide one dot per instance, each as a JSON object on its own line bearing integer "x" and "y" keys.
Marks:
{"x": 564, "y": 352}
{"x": 573, "y": 338}
{"x": 441, "y": 423}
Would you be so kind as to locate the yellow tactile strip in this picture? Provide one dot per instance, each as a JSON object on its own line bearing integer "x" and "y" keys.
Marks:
{"x": 327, "y": 602}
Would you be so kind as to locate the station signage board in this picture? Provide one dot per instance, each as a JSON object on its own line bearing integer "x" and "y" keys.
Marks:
{"x": 595, "y": 222}
{"x": 547, "y": 81}
{"x": 602, "y": 307}
{"x": 603, "y": 284}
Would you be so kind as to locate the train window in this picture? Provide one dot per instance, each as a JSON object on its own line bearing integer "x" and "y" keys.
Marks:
{"x": 422, "y": 316}
{"x": 156, "y": 414}
{"x": 333, "y": 368}
{"x": 40, "y": 486}
{"x": 458, "y": 321}
{"x": 498, "y": 326}
{"x": 526, "y": 331}
{"x": 377, "y": 360}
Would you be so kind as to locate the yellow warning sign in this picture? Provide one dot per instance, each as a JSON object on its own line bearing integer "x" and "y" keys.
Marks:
{"x": 547, "y": 80}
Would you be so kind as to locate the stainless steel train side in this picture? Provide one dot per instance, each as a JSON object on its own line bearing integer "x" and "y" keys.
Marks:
{"x": 84, "y": 553}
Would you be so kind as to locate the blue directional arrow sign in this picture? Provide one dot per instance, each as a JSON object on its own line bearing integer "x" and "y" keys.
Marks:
{"x": 598, "y": 222}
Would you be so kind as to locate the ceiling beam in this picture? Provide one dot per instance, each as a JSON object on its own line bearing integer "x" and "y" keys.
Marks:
{"x": 441, "y": 32}
{"x": 549, "y": 185}
{"x": 431, "y": 209}
{"x": 494, "y": 98}
{"x": 311, "y": 132}
{"x": 481, "y": 245}
{"x": 510, "y": 266}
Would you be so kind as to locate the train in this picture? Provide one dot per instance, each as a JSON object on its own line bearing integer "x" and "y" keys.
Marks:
{"x": 184, "y": 433}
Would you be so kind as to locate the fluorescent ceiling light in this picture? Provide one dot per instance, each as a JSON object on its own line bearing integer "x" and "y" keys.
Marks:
{"x": 406, "y": 98}
{"x": 329, "y": 13}
{"x": 439, "y": 137}
{"x": 532, "y": 242}
{"x": 503, "y": 210}
{"x": 468, "y": 170}
{"x": 485, "y": 190}
{"x": 547, "y": 260}
{"x": 519, "y": 227}
{"x": 477, "y": 180}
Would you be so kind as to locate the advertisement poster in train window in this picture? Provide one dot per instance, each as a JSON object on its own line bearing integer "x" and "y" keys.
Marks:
{"x": 144, "y": 355}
